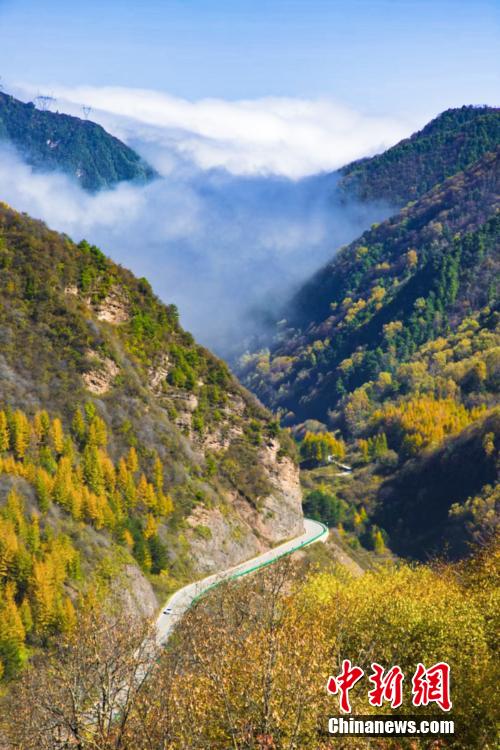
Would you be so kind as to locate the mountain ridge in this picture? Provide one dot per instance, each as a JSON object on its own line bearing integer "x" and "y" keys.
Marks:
{"x": 85, "y": 151}
{"x": 387, "y": 358}
{"x": 126, "y": 449}
{"x": 449, "y": 143}
{"x": 353, "y": 266}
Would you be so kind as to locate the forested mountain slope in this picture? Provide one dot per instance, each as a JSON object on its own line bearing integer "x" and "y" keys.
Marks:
{"x": 395, "y": 344}
{"x": 82, "y": 149}
{"x": 122, "y": 442}
{"x": 448, "y": 144}
{"x": 402, "y": 283}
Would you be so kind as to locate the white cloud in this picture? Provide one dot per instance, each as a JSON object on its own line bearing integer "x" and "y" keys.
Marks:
{"x": 220, "y": 246}
{"x": 220, "y": 243}
{"x": 283, "y": 136}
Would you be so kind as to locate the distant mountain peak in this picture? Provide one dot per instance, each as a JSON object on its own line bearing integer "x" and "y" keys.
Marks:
{"x": 51, "y": 141}
{"x": 449, "y": 143}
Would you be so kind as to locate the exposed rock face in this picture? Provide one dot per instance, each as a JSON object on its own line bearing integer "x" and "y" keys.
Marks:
{"x": 185, "y": 404}
{"x": 222, "y": 539}
{"x": 238, "y": 527}
{"x": 155, "y": 389}
{"x": 135, "y": 592}
{"x": 113, "y": 309}
{"x": 158, "y": 373}
{"x": 281, "y": 515}
{"x": 99, "y": 381}
{"x": 220, "y": 440}
{"x": 227, "y": 539}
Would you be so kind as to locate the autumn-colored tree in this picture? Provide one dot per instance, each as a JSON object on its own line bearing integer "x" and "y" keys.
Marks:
{"x": 132, "y": 460}
{"x": 357, "y": 410}
{"x": 63, "y": 483}
{"x": 97, "y": 433}
{"x": 126, "y": 484}
{"x": 41, "y": 425}
{"x": 85, "y": 693}
{"x": 165, "y": 505}
{"x": 14, "y": 511}
{"x": 21, "y": 433}
{"x": 321, "y": 447}
{"x": 43, "y": 485}
{"x": 158, "y": 475}
{"x": 79, "y": 427}
{"x": 151, "y": 526}
{"x": 4, "y": 432}
{"x": 378, "y": 542}
{"x": 12, "y": 633}
{"x": 423, "y": 421}
{"x": 9, "y": 546}
{"x": 374, "y": 447}
{"x": 146, "y": 494}
{"x": 249, "y": 663}
{"x": 57, "y": 435}
{"x": 92, "y": 469}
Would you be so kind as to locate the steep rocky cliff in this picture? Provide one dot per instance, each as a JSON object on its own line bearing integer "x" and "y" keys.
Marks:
{"x": 87, "y": 342}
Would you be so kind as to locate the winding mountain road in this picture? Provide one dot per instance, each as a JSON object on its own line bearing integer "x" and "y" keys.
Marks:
{"x": 181, "y": 601}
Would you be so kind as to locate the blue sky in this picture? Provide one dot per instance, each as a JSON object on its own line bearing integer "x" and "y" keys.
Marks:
{"x": 379, "y": 56}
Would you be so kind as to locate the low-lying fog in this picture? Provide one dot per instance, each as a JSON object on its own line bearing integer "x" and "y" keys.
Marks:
{"x": 228, "y": 248}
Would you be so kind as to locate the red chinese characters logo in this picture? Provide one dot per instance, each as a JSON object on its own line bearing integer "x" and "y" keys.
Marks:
{"x": 388, "y": 687}
{"x": 343, "y": 683}
{"x": 432, "y": 686}
{"x": 428, "y": 685}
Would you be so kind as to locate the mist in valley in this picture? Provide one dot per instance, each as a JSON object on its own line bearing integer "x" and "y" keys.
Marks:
{"x": 228, "y": 246}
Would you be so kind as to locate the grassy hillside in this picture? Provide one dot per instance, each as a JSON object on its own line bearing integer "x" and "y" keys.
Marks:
{"x": 448, "y": 144}
{"x": 121, "y": 440}
{"x": 80, "y": 148}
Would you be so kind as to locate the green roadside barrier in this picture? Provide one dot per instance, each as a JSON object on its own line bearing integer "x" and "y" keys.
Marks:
{"x": 234, "y": 576}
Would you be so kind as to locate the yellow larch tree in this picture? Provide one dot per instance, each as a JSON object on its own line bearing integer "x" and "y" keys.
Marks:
{"x": 4, "y": 433}
{"x": 21, "y": 436}
{"x": 132, "y": 460}
{"x": 57, "y": 435}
